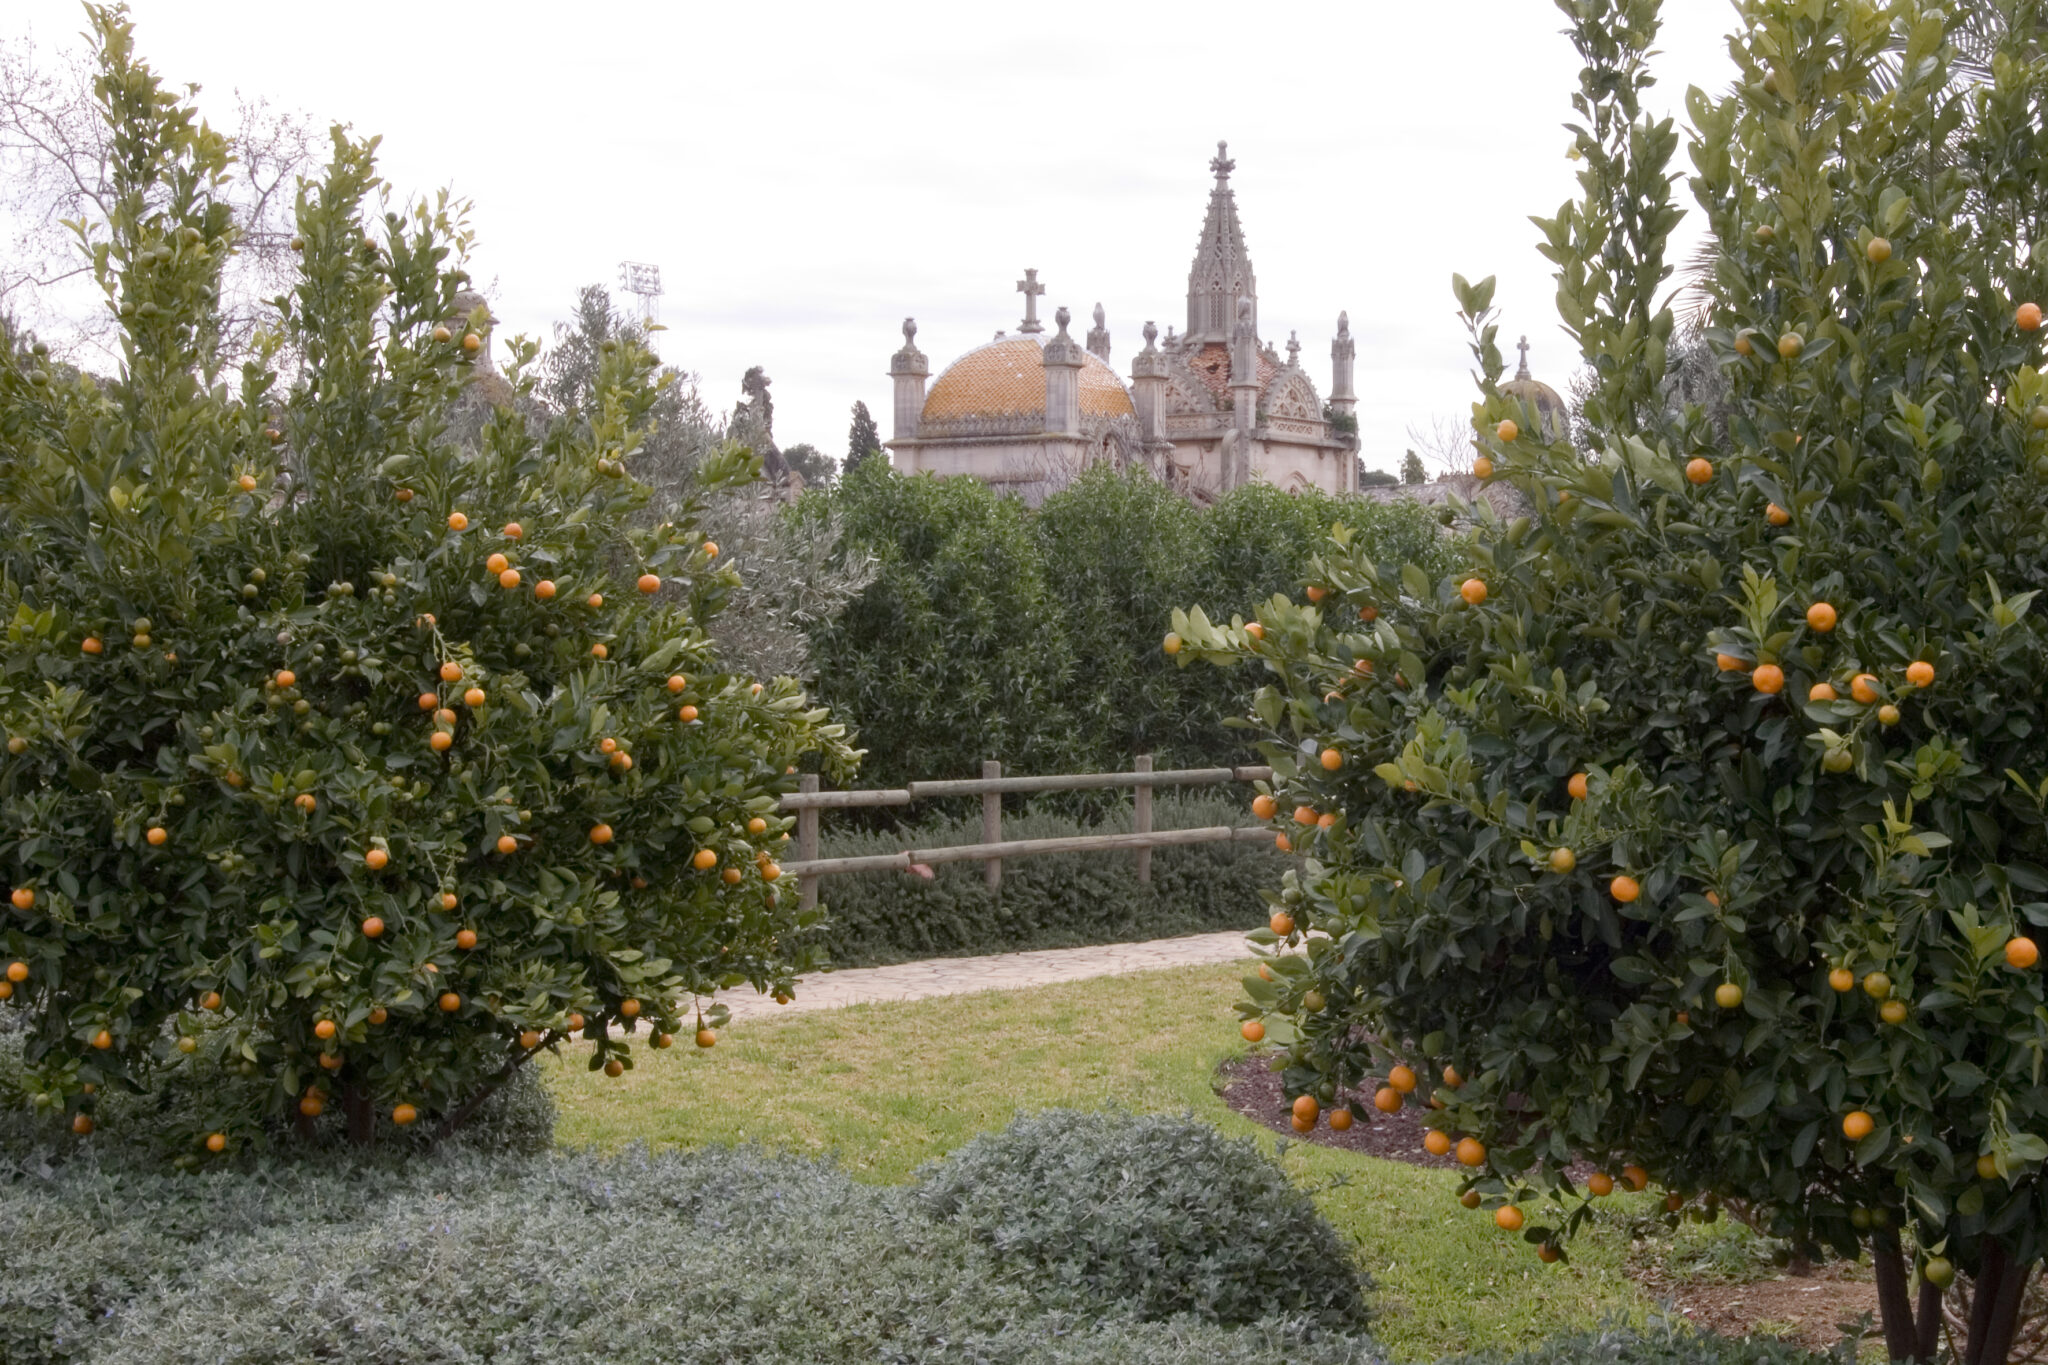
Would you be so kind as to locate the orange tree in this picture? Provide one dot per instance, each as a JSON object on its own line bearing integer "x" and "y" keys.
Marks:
{"x": 1695, "y": 828}
{"x": 351, "y": 758}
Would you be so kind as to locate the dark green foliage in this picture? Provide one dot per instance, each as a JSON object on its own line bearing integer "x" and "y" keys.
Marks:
{"x": 1060, "y": 901}
{"x": 863, "y": 438}
{"x": 1661, "y": 1343}
{"x": 992, "y": 631}
{"x": 1412, "y": 470}
{"x": 1165, "y": 1216}
{"x": 705, "y": 1257}
{"x": 813, "y": 464}
{"x": 955, "y": 651}
{"x": 1376, "y": 478}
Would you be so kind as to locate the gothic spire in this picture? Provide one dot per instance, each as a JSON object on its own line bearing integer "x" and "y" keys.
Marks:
{"x": 1222, "y": 272}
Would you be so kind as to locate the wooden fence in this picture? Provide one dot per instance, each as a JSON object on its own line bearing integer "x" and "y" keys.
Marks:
{"x": 991, "y": 787}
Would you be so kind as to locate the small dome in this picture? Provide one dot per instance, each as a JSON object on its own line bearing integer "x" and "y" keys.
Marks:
{"x": 1004, "y": 380}
{"x": 1539, "y": 400}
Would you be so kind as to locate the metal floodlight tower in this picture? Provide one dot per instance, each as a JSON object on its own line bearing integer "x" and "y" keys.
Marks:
{"x": 643, "y": 281}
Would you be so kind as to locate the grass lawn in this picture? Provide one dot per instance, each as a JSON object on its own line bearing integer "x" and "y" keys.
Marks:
{"x": 885, "y": 1087}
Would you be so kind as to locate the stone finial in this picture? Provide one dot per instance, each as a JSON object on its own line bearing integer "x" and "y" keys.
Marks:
{"x": 1523, "y": 373}
{"x": 1244, "y": 311}
{"x": 1030, "y": 288}
{"x": 909, "y": 360}
{"x": 1343, "y": 323}
{"x": 1062, "y": 318}
{"x": 1293, "y": 350}
{"x": 1222, "y": 165}
{"x": 1151, "y": 335}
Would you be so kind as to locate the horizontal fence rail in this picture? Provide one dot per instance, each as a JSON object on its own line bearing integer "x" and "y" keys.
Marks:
{"x": 991, "y": 786}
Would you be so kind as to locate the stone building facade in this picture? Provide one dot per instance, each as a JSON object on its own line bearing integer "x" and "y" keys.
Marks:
{"x": 1205, "y": 411}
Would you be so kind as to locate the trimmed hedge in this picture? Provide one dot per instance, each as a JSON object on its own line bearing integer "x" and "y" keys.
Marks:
{"x": 705, "y": 1256}
{"x": 994, "y": 630}
{"x": 1057, "y": 901}
{"x": 1164, "y": 1216}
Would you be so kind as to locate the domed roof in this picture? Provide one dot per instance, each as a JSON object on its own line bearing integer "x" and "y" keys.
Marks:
{"x": 1004, "y": 380}
{"x": 1538, "y": 399}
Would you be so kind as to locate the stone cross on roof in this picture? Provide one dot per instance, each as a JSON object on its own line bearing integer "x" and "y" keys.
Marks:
{"x": 1030, "y": 288}
{"x": 1523, "y": 373}
{"x": 1222, "y": 165}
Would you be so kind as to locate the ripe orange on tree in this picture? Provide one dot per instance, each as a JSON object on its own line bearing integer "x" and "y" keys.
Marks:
{"x": 1920, "y": 673}
{"x": 2028, "y": 317}
{"x": 1638, "y": 1179}
{"x": 1508, "y": 1218}
{"x": 1252, "y": 1030}
{"x": 1471, "y": 1152}
{"x": 1340, "y": 1120}
{"x": 2022, "y": 953}
{"x": 23, "y": 898}
{"x": 1437, "y": 1142}
{"x": 1600, "y": 1184}
{"x": 706, "y": 1038}
{"x": 1625, "y": 889}
{"x": 1857, "y": 1125}
{"x": 1699, "y": 470}
{"x": 1577, "y": 787}
{"x": 1473, "y": 591}
{"x": 1821, "y": 692}
{"x": 1281, "y": 924}
{"x": 1387, "y": 1100}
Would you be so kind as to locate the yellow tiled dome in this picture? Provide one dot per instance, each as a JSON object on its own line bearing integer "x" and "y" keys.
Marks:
{"x": 1006, "y": 378}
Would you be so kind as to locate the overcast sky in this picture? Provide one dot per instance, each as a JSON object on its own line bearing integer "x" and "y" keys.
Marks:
{"x": 806, "y": 175}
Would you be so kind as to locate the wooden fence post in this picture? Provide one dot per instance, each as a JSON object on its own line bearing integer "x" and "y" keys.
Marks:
{"x": 807, "y": 842}
{"x": 1141, "y": 818}
{"x": 992, "y": 824}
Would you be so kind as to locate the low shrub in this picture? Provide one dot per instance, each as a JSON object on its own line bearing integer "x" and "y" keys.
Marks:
{"x": 1056, "y": 901}
{"x": 1662, "y": 1343}
{"x": 1164, "y": 1215}
{"x": 712, "y": 1255}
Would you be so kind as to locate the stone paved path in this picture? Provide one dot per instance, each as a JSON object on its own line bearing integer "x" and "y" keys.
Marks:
{"x": 1004, "y": 971}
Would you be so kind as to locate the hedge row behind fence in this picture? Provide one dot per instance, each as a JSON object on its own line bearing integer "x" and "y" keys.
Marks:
{"x": 1062, "y": 900}
{"x": 993, "y": 630}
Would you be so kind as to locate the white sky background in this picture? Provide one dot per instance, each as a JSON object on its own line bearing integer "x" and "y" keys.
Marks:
{"x": 806, "y": 175}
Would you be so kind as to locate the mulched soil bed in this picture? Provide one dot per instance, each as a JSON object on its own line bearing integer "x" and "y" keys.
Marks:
{"x": 1253, "y": 1090}
{"x": 1811, "y": 1309}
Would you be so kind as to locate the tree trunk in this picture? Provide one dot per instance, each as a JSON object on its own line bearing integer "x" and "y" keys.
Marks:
{"x": 2005, "y": 1313}
{"x": 1894, "y": 1298}
{"x": 1983, "y": 1293}
{"x": 362, "y": 1120}
{"x": 1929, "y": 1338}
